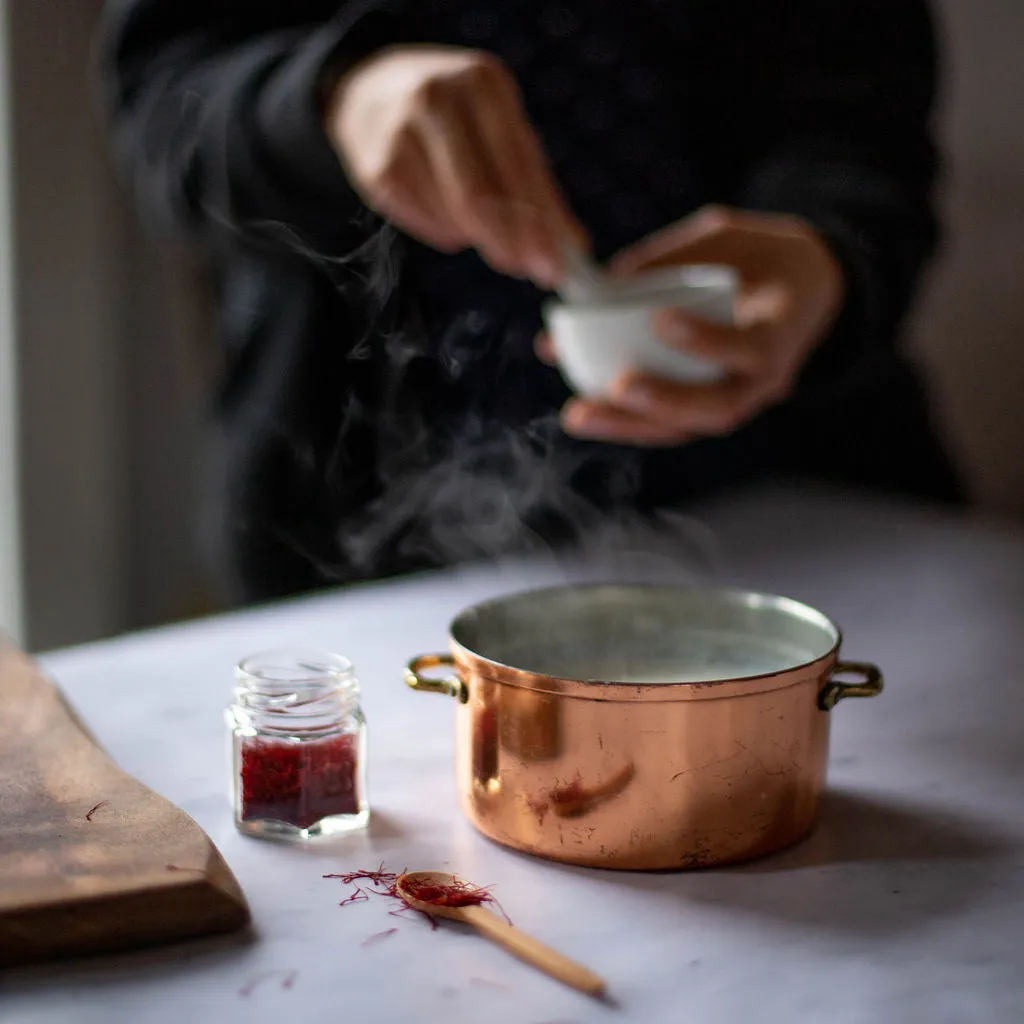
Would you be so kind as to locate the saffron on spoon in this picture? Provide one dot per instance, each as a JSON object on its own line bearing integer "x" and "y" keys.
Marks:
{"x": 385, "y": 883}
{"x": 456, "y": 894}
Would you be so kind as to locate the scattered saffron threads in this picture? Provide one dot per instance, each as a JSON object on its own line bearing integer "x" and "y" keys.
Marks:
{"x": 287, "y": 981}
{"x": 379, "y": 937}
{"x": 379, "y": 877}
{"x": 102, "y": 803}
{"x": 405, "y": 906}
{"x": 487, "y": 983}
{"x": 385, "y": 883}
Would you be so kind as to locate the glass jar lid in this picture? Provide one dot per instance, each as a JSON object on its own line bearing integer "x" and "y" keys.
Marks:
{"x": 292, "y": 688}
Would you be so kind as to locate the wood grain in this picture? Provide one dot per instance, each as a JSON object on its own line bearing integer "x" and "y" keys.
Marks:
{"x": 90, "y": 859}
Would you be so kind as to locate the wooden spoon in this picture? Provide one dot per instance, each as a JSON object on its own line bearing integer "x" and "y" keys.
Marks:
{"x": 516, "y": 942}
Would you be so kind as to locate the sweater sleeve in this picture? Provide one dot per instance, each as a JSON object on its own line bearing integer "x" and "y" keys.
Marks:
{"x": 851, "y": 152}
{"x": 216, "y": 114}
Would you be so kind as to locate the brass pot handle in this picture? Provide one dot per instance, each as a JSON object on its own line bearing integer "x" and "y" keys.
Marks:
{"x": 835, "y": 690}
{"x": 453, "y": 686}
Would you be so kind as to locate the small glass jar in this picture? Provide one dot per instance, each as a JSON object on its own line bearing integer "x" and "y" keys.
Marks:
{"x": 298, "y": 746}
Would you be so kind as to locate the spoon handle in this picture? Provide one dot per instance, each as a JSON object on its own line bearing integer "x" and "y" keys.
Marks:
{"x": 582, "y": 280}
{"x": 533, "y": 952}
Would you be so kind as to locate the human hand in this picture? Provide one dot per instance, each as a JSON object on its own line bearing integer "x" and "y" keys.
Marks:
{"x": 791, "y": 291}
{"x": 436, "y": 140}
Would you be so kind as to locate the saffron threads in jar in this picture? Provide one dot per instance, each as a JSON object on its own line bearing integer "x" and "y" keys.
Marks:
{"x": 298, "y": 783}
{"x": 298, "y": 740}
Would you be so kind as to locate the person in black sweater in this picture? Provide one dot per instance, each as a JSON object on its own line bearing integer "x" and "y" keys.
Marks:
{"x": 384, "y": 193}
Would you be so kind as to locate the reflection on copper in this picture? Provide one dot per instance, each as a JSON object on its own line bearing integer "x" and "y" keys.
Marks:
{"x": 538, "y": 808}
{"x": 576, "y": 799}
{"x": 530, "y": 722}
{"x": 485, "y": 746}
{"x": 649, "y": 785}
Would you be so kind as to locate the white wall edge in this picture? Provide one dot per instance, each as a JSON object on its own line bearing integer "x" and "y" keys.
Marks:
{"x": 70, "y": 279}
{"x": 11, "y": 605}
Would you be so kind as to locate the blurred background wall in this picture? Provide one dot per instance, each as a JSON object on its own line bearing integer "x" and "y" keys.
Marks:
{"x": 105, "y": 325}
{"x": 109, "y": 364}
{"x": 970, "y": 327}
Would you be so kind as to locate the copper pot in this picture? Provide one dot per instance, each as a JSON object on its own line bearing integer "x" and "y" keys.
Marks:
{"x": 643, "y": 727}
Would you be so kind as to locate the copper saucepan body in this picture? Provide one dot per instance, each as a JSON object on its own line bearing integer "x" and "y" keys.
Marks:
{"x": 643, "y": 727}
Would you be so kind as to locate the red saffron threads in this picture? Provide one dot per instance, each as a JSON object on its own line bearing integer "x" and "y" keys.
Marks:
{"x": 287, "y": 981}
{"x": 379, "y": 877}
{"x": 404, "y": 908}
{"x": 298, "y": 783}
{"x": 356, "y": 897}
{"x": 456, "y": 894}
{"x": 487, "y": 983}
{"x": 102, "y": 803}
{"x": 380, "y": 936}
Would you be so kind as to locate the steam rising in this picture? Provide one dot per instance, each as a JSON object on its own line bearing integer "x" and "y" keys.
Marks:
{"x": 492, "y": 491}
{"x": 486, "y": 491}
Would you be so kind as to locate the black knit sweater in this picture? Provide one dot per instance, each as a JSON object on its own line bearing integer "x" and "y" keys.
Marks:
{"x": 381, "y": 405}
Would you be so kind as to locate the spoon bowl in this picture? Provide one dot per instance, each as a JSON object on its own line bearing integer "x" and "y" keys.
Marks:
{"x": 407, "y": 884}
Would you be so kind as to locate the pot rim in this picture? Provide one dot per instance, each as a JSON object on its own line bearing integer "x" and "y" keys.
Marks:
{"x": 591, "y": 689}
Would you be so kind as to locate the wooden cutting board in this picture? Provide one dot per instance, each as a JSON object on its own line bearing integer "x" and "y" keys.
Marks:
{"x": 90, "y": 859}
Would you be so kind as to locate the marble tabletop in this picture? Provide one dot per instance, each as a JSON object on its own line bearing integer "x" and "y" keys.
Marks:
{"x": 905, "y": 906}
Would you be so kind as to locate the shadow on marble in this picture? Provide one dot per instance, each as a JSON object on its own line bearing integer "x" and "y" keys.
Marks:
{"x": 874, "y": 866}
{"x": 856, "y": 827}
{"x": 382, "y": 827}
{"x": 188, "y": 959}
{"x": 987, "y": 745}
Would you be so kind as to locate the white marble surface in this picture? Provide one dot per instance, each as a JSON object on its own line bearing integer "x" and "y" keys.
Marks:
{"x": 906, "y": 906}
